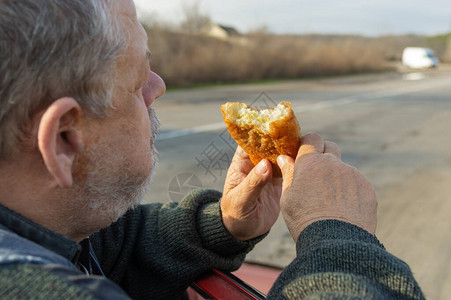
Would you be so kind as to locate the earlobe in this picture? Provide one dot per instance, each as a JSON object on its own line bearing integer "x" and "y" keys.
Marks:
{"x": 59, "y": 139}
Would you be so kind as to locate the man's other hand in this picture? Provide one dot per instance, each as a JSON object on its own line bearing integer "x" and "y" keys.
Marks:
{"x": 250, "y": 201}
{"x": 319, "y": 186}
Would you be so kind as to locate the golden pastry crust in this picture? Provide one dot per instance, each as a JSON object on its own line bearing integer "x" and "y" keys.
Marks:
{"x": 263, "y": 134}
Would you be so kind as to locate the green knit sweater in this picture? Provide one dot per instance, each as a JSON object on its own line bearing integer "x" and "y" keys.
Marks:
{"x": 337, "y": 260}
{"x": 155, "y": 251}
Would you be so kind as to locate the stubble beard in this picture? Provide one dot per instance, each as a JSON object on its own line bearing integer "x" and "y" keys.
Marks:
{"x": 105, "y": 195}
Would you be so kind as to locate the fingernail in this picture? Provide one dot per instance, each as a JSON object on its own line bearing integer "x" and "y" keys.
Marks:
{"x": 262, "y": 168}
{"x": 281, "y": 161}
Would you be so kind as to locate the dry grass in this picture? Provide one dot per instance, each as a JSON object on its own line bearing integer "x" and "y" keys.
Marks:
{"x": 186, "y": 59}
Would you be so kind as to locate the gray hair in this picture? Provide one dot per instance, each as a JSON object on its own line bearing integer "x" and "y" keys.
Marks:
{"x": 51, "y": 49}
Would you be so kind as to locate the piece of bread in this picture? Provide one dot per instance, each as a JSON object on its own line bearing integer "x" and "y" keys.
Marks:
{"x": 263, "y": 134}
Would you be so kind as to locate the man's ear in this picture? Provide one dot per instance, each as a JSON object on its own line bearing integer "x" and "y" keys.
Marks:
{"x": 59, "y": 139}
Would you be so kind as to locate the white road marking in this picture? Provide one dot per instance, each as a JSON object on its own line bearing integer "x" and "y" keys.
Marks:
{"x": 317, "y": 106}
{"x": 414, "y": 76}
{"x": 184, "y": 132}
{"x": 371, "y": 96}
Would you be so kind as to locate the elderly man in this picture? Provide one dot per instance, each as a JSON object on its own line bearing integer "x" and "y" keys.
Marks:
{"x": 77, "y": 153}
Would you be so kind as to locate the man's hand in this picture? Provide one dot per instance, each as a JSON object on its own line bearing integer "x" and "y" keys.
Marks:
{"x": 319, "y": 186}
{"x": 250, "y": 201}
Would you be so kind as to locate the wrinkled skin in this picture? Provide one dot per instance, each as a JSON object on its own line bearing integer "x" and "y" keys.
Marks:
{"x": 319, "y": 186}
{"x": 250, "y": 202}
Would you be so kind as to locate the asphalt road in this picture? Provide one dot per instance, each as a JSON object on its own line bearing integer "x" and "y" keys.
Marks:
{"x": 394, "y": 127}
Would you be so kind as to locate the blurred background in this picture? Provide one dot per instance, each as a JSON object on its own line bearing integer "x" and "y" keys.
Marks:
{"x": 195, "y": 42}
{"x": 372, "y": 76}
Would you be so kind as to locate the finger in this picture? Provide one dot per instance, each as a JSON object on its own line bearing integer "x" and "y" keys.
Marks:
{"x": 239, "y": 168}
{"x": 286, "y": 165}
{"x": 332, "y": 148}
{"x": 251, "y": 188}
{"x": 311, "y": 143}
{"x": 241, "y": 153}
{"x": 241, "y": 161}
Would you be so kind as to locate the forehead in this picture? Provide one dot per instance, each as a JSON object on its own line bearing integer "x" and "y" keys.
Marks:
{"x": 123, "y": 9}
{"x": 137, "y": 49}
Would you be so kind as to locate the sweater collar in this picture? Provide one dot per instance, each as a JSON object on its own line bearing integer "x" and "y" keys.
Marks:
{"x": 38, "y": 234}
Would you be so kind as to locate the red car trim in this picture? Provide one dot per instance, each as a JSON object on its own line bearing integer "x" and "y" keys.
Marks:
{"x": 219, "y": 285}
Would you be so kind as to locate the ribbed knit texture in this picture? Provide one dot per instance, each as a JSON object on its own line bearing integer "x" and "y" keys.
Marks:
{"x": 157, "y": 250}
{"x": 337, "y": 260}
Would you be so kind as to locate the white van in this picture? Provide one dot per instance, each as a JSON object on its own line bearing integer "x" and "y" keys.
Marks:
{"x": 419, "y": 58}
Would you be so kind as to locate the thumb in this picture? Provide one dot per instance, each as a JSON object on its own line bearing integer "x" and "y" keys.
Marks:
{"x": 286, "y": 165}
{"x": 250, "y": 189}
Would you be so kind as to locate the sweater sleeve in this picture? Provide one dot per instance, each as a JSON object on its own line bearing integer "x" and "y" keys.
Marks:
{"x": 155, "y": 251}
{"x": 337, "y": 260}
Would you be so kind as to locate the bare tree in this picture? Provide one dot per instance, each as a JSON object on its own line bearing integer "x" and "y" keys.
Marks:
{"x": 194, "y": 20}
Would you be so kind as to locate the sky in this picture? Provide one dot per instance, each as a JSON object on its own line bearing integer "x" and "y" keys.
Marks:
{"x": 363, "y": 17}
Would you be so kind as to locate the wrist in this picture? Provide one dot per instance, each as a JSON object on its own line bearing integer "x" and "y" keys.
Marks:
{"x": 214, "y": 233}
{"x": 333, "y": 229}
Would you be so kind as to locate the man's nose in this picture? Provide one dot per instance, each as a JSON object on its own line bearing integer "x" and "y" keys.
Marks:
{"x": 154, "y": 88}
